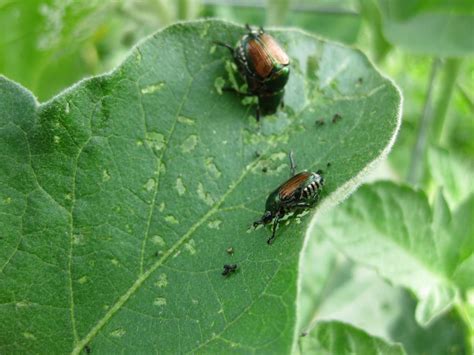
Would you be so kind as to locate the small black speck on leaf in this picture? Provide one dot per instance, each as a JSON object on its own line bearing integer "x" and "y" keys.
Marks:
{"x": 336, "y": 117}
{"x": 87, "y": 349}
{"x": 328, "y": 165}
{"x": 229, "y": 269}
{"x": 265, "y": 170}
{"x": 320, "y": 122}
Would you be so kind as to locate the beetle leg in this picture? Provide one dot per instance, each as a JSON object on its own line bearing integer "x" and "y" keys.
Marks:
{"x": 261, "y": 30}
{"x": 292, "y": 163}
{"x": 222, "y": 44}
{"x": 275, "y": 224}
{"x": 274, "y": 227}
{"x": 257, "y": 113}
{"x": 296, "y": 204}
{"x": 257, "y": 223}
{"x": 247, "y": 26}
{"x": 304, "y": 204}
{"x": 231, "y": 89}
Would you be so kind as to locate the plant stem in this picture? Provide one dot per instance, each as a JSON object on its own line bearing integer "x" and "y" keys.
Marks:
{"x": 183, "y": 9}
{"x": 460, "y": 308}
{"x": 418, "y": 154}
{"x": 439, "y": 132}
{"x": 373, "y": 19}
{"x": 466, "y": 96}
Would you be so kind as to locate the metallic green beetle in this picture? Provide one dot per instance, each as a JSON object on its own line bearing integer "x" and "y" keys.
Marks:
{"x": 300, "y": 191}
{"x": 265, "y": 67}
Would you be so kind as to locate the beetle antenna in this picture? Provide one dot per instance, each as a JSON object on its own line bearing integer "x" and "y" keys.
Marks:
{"x": 292, "y": 163}
{"x": 257, "y": 223}
{"x": 247, "y": 26}
{"x": 275, "y": 224}
{"x": 261, "y": 30}
{"x": 321, "y": 172}
{"x": 222, "y": 44}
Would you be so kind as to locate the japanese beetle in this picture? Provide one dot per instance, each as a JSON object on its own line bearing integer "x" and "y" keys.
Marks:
{"x": 300, "y": 191}
{"x": 265, "y": 67}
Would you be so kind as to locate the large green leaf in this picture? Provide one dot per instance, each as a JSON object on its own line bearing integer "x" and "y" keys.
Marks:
{"x": 339, "y": 338}
{"x": 335, "y": 289}
{"x": 441, "y": 28}
{"x": 451, "y": 173}
{"x": 394, "y": 230}
{"x": 120, "y": 196}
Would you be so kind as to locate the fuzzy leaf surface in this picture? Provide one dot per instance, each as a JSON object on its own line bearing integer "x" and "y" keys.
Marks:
{"x": 393, "y": 229}
{"x": 120, "y": 196}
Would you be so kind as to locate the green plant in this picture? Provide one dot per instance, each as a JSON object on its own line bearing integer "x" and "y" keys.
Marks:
{"x": 123, "y": 197}
{"x": 125, "y": 191}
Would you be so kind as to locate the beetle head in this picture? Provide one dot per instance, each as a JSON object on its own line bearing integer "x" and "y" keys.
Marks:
{"x": 266, "y": 218}
{"x": 254, "y": 33}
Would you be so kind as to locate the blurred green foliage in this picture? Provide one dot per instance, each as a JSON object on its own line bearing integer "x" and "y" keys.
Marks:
{"x": 426, "y": 46}
{"x": 436, "y": 27}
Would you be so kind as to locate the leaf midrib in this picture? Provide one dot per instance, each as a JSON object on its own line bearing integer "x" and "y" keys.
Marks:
{"x": 184, "y": 238}
{"x": 144, "y": 276}
{"x": 79, "y": 344}
{"x": 181, "y": 241}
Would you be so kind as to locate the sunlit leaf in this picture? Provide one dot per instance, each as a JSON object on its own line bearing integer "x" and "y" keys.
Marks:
{"x": 354, "y": 294}
{"x": 394, "y": 230}
{"x": 452, "y": 174}
{"x": 120, "y": 197}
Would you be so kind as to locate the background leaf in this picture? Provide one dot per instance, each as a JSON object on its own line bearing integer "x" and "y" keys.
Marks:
{"x": 430, "y": 26}
{"x": 121, "y": 195}
{"x": 344, "y": 291}
{"x": 453, "y": 174}
{"x": 406, "y": 242}
{"x": 47, "y": 45}
{"x": 339, "y": 338}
